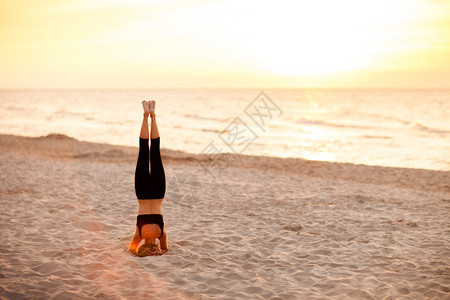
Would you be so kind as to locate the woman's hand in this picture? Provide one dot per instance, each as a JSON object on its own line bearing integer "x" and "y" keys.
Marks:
{"x": 148, "y": 250}
{"x": 140, "y": 254}
{"x": 155, "y": 252}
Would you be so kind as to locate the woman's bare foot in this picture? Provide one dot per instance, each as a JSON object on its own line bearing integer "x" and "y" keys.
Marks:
{"x": 146, "y": 106}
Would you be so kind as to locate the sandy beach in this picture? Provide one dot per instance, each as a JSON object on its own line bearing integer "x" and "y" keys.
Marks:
{"x": 253, "y": 228}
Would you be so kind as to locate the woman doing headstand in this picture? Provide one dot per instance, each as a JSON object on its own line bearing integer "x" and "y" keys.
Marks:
{"x": 150, "y": 186}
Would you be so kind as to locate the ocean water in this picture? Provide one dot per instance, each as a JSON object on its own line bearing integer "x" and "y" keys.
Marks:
{"x": 398, "y": 128}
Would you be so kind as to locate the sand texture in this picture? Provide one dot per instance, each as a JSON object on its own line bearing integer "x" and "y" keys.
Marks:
{"x": 253, "y": 228}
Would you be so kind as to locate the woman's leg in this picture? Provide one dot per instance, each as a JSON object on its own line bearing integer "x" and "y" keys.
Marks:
{"x": 142, "y": 173}
{"x": 157, "y": 169}
{"x": 144, "y": 128}
{"x": 150, "y": 182}
{"x": 154, "y": 133}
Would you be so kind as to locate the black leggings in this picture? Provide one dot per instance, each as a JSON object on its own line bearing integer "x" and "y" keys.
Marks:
{"x": 149, "y": 185}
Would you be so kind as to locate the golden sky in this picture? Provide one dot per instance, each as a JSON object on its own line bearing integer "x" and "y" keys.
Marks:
{"x": 196, "y": 44}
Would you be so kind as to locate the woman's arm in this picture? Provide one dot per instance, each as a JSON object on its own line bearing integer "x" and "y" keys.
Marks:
{"x": 135, "y": 242}
{"x": 163, "y": 243}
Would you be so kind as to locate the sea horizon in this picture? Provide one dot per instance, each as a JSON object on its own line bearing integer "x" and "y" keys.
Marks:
{"x": 361, "y": 126}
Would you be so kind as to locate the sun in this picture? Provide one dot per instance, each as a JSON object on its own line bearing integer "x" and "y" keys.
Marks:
{"x": 324, "y": 36}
